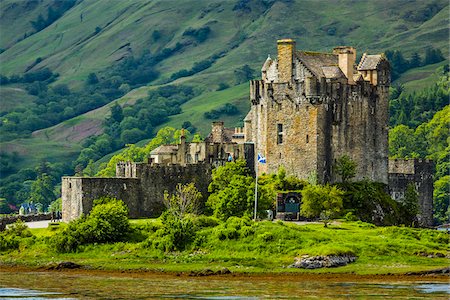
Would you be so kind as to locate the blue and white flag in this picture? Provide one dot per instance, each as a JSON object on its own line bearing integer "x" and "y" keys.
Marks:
{"x": 261, "y": 159}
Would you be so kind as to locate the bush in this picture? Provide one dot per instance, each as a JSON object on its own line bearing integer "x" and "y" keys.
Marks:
{"x": 175, "y": 235}
{"x": 108, "y": 222}
{"x": 10, "y": 239}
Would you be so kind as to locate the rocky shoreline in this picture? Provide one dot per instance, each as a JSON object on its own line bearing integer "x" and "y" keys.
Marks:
{"x": 322, "y": 261}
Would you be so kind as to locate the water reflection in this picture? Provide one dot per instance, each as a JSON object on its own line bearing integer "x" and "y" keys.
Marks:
{"x": 68, "y": 285}
{"x": 16, "y": 293}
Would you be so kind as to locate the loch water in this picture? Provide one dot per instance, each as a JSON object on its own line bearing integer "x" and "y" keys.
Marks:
{"x": 70, "y": 285}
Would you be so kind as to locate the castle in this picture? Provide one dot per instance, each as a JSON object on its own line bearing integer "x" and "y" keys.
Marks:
{"x": 307, "y": 111}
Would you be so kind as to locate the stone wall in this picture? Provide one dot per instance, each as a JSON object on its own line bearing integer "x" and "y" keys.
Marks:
{"x": 78, "y": 194}
{"x": 420, "y": 173}
{"x": 143, "y": 196}
{"x": 337, "y": 119}
{"x": 26, "y": 218}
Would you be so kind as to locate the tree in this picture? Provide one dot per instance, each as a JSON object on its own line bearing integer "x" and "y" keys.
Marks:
{"x": 186, "y": 200}
{"x": 234, "y": 199}
{"x": 92, "y": 79}
{"x": 345, "y": 167}
{"x": 232, "y": 192}
{"x": 416, "y": 60}
{"x": 243, "y": 74}
{"x": 42, "y": 191}
{"x": 324, "y": 201}
{"x": 402, "y": 142}
{"x": 410, "y": 205}
{"x": 441, "y": 199}
{"x": 116, "y": 113}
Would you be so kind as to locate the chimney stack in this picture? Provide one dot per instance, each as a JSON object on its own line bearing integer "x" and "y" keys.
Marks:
{"x": 347, "y": 58}
{"x": 217, "y": 132}
{"x": 286, "y": 49}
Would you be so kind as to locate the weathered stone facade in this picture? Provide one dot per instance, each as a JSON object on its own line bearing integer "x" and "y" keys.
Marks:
{"x": 311, "y": 108}
{"x": 308, "y": 110}
{"x": 141, "y": 185}
{"x": 419, "y": 172}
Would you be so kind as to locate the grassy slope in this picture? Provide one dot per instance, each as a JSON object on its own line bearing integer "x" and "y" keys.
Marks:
{"x": 13, "y": 28}
{"x": 12, "y": 97}
{"x": 70, "y": 47}
{"x": 269, "y": 247}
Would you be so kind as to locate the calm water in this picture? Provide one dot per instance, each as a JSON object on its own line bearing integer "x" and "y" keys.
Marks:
{"x": 73, "y": 285}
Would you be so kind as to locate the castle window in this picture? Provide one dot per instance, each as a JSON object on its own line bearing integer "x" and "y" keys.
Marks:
{"x": 70, "y": 185}
{"x": 196, "y": 157}
{"x": 307, "y": 139}
{"x": 279, "y": 133}
{"x": 279, "y": 106}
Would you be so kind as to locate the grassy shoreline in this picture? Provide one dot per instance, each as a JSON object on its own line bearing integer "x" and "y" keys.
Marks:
{"x": 251, "y": 248}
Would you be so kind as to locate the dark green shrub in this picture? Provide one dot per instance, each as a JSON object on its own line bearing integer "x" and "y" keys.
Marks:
{"x": 175, "y": 235}
{"x": 108, "y": 222}
{"x": 203, "y": 221}
{"x": 11, "y": 238}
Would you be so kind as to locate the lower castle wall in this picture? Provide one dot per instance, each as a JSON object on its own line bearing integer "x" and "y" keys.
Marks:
{"x": 143, "y": 196}
{"x": 78, "y": 194}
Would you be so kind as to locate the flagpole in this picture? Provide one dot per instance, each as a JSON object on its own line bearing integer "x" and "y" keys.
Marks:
{"x": 256, "y": 190}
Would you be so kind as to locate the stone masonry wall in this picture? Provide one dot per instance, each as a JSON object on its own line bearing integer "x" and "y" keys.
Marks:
{"x": 337, "y": 119}
{"x": 143, "y": 196}
{"x": 420, "y": 173}
{"x": 78, "y": 194}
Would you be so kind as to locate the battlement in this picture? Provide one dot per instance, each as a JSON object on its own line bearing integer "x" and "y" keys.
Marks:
{"x": 410, "y": 166}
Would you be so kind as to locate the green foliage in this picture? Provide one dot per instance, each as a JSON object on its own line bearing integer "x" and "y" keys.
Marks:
{"x": 186, "y": 200}
{"x": 370, "y": 202}
{"x": 107, "y": 223}
{"x": 232, "y": 192}
{"x": 243, "y": 74}
{"x": 42, "y": 191}
{"x": 400, "y": 65}
{"x": 166, "y": 135}
{"x": 413, "y": 109}
{"x": 200, "y": 34}
{"x": 410, "y": 205}
{"x": 228, "y": 109}
{"x": 441, "y": 199}
{"x": 11, "y": 238}
{"x": 234, "y": 228}
{"x": 54, "y": 11}
{"x": 429, "y": 140}
{"x": 176, "y": 234}
{"x": 324, "y": 201}
{"x": 345, "y": 167}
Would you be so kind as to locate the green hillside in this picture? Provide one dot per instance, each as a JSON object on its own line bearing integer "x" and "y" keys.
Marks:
{"x": 210, "y": 42}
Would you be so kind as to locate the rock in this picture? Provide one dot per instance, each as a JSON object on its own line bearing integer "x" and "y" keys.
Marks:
{"x": 209, "y": 272}
{"x": 431, "y": 272}
{"x": 67, "y": 265}
{"x": 316, "y": 262}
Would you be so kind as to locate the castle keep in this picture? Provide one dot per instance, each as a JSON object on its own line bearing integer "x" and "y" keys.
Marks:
{"x": 311, "y": 108}
{"x": 308, "y": 110}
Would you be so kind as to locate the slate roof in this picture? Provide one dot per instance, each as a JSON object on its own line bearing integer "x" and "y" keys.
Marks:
{"x": 369, "y": 62}
{"x": 315, "y": 61}
{"x": 332, "y": 72}
{"x": 165, "y": 149}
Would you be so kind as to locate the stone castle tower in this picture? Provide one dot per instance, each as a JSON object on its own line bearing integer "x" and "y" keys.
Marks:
{"x": 311, "y": 108}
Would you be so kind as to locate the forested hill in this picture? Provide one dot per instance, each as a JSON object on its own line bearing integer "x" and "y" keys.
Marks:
{"x": 79, "y": 79}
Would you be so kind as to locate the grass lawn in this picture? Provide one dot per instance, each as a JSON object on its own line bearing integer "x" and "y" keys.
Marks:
{"x": 249, "y": 247}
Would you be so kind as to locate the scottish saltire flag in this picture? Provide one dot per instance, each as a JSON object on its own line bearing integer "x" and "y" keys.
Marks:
{"x": 261, "y": 159}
